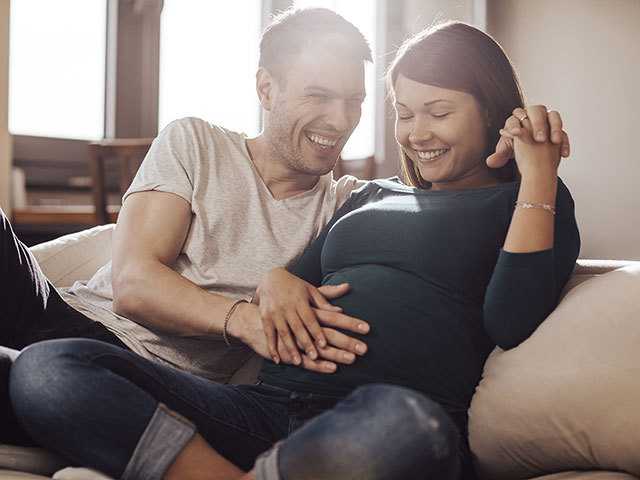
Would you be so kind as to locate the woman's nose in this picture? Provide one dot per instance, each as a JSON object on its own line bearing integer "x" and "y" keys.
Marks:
{"x": 420, "y": 136}
{"x": 421, "y": 132}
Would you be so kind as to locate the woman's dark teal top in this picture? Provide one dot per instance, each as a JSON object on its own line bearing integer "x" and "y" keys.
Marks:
{"x": 428, "y": 273}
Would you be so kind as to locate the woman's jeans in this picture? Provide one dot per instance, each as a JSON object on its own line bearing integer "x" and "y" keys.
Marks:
{"x": 109, "y": 409}
{"x": 31, "y": 310}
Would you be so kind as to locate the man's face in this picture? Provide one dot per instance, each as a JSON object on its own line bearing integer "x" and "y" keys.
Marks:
{"x": 315, "y": 109}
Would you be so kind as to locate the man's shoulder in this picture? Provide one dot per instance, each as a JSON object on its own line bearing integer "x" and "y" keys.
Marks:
{"x": 195, "y": 127}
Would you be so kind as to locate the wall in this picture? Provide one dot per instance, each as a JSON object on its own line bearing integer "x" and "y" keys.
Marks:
{"x": 5, "y": 141}
{"x": 582, "y": 57}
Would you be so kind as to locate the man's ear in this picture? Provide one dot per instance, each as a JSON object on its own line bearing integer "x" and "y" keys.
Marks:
{"x": 265, "y": 86}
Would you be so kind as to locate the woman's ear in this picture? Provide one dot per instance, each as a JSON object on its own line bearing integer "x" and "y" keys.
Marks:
{"x": 265, "y": 85}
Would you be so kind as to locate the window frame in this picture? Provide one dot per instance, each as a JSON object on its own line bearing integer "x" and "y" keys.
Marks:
{"x": 132, "y": 91}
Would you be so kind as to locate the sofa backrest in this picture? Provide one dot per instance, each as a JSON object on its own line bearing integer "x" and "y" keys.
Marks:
{"x": 78, "y": 256}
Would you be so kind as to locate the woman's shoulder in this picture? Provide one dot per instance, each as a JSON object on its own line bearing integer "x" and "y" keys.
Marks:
{"x": 372, "y": 189}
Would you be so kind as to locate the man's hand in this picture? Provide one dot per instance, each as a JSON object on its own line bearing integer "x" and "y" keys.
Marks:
{"x": 246, "y": 325}
{"x": 545, "y": 124}
{"x": 286, "y": 305}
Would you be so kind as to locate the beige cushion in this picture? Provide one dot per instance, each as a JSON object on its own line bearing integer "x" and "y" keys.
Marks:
{"x": 11, "y": 475}
{"x": 568, "y": 397}
{"x": 79, "y": 474}
{"x": 76, "y": 256}
{"x": 34, "y": 460}
{"x": 587, "y": 476}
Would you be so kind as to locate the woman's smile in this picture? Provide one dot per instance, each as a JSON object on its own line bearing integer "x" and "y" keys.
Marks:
{"x": 428, "y": 156}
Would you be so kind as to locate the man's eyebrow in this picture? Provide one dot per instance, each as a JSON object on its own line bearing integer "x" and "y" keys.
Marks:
{"x": 316, "y": 88}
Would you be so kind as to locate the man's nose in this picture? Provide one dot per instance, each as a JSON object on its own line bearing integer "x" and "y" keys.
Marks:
{"x": 340, "y": 117}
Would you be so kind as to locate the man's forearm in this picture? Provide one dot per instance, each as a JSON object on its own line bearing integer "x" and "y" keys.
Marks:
{"x": 154, "y": 295}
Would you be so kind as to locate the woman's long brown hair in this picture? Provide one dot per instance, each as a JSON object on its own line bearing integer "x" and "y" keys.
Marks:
{"x": 458, "y": 56}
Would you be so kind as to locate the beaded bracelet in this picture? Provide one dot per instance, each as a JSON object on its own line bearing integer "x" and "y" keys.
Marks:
{"x": 544, "y": 206}
{"x": 225, "y": 333}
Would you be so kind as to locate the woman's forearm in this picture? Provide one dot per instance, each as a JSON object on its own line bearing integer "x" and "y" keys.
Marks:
{"x": 531, "y": 229}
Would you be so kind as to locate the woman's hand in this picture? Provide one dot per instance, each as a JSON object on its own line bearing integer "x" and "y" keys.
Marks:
{"x": 246, "y": 325}
{"x": 544, "y": 125}
{"x": 532, "y": 156}
{"x": 290, "y": 321}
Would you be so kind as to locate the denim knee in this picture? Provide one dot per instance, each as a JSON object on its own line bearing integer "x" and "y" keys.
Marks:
{"x": 379, "y": 431}
{"x": 55, "y": 393}
{"x": 40, "y": 385}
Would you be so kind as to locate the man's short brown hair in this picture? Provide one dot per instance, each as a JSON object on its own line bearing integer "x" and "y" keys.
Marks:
{"x": 295, "y": 29}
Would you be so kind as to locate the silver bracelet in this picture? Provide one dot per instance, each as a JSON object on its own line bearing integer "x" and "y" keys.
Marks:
{"x": 543, "y": 206}
{"x": 225, "y": 333}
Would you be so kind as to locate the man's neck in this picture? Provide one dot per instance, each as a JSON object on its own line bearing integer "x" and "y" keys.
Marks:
{"x": 281, "y": 180}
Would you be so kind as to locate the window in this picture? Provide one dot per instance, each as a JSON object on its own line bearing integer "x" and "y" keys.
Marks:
{"x": 362, "y": 13}
{"x": 57, "y": 68}
{"x": 162, "y": 60}
{"x": 208, "y": 60}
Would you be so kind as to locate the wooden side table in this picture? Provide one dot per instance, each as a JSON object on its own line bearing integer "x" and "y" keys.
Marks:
{"x": 129, "y": 153}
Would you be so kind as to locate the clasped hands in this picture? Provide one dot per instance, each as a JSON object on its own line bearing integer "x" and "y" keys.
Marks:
{"x": 294, "y": 322}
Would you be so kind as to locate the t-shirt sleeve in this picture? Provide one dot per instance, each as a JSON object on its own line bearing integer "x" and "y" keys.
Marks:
{"x": 169, "y": 164}
{"x": 309, "y": 265}
{"x": 525, "y": 287}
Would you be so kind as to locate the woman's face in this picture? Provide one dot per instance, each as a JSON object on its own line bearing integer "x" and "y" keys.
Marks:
{"x": 444, "y": 133}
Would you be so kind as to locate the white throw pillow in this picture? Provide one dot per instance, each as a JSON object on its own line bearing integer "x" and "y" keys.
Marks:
{"x": 568, "y": 398}
{"x": 76, "y": 256}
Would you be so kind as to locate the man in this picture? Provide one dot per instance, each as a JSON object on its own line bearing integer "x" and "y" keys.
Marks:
{"x": 211, "y": 211}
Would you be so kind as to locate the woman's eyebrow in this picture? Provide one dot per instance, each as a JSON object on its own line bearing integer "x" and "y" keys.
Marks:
{"x": 426, "y": 104}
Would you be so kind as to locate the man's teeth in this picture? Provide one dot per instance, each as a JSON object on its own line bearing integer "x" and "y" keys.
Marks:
{"x": 325, "y": 142}
{"x": 431, "y": 154}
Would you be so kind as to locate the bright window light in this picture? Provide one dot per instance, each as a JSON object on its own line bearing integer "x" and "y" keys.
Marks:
{"x": 57, "y": 68}
{"x": 362, "y": 13}
{"x": 208, "y": 61}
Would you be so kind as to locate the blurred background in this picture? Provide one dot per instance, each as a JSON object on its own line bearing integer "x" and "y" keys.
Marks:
{"x": 85, "y": 85}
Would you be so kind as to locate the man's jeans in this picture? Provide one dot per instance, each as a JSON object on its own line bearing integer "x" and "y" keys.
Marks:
{"x": 109, "y": 409}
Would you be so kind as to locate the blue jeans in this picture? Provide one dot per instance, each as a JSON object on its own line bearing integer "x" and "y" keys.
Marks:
{"x": 109, "y": 409}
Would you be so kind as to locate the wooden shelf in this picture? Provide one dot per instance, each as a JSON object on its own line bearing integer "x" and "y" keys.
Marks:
{"x": 61, "y": 215}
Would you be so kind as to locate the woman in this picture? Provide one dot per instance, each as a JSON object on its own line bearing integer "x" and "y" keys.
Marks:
{"x": 442, "y": 268}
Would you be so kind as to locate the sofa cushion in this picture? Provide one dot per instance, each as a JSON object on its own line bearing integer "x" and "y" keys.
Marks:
{"x": 593, "y": 475}
{"x": 76, "y": 256}
{"x": 567, "y": 398}
{"x": 71, "y": 473}
{"x": 11, "y": 475}
{"x": 34, "y": 460}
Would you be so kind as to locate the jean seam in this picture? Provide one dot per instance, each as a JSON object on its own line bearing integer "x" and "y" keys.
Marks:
{"x": 91, "y": 358}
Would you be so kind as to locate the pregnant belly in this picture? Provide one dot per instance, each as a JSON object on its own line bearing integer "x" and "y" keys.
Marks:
{"x": 421, "y": 336}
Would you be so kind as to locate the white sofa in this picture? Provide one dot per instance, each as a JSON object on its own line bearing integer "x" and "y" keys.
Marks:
{"x": 561, "y": 406}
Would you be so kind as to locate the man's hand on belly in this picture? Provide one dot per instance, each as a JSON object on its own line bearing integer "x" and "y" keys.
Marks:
{"x": 247, "y": 327}
{"x": 299, "y": 322}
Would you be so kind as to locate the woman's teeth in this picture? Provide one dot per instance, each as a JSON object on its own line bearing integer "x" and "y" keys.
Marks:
{"x": 322, "y": 141}
{"x": 431, "y": 154}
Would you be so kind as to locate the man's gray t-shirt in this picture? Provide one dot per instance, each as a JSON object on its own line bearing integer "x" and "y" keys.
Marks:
{"x": 238, "y": 233}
